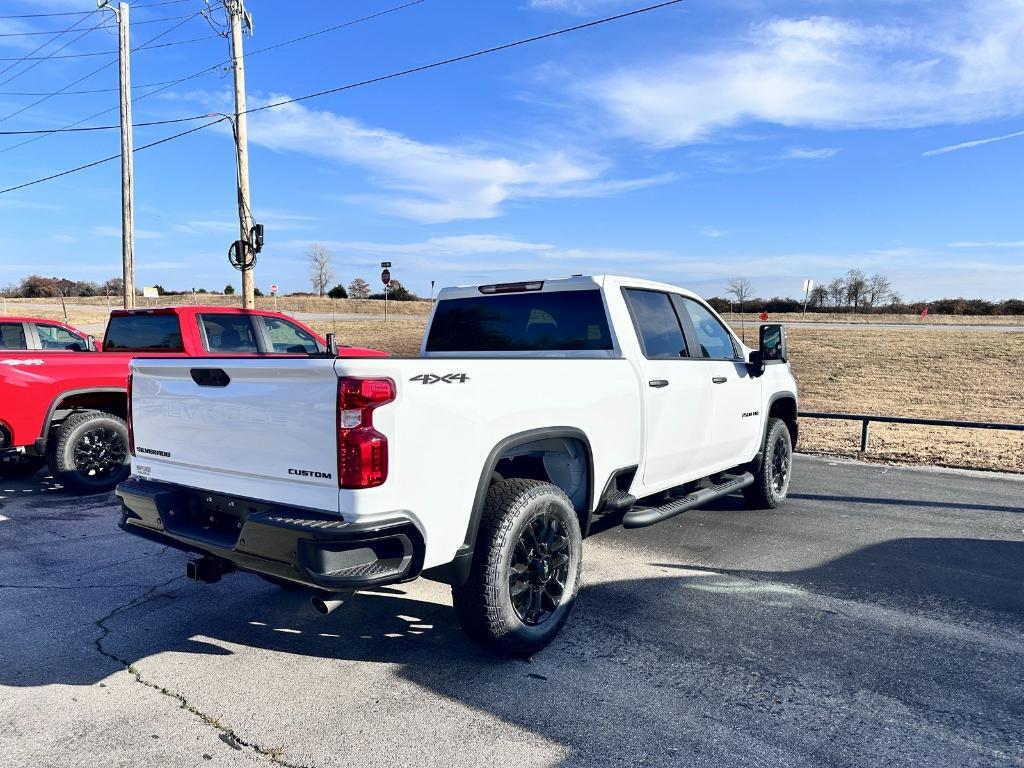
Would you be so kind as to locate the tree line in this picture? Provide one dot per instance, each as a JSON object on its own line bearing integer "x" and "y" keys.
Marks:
{"x": 856, "y": 292}
{"x": 321, "y": 275}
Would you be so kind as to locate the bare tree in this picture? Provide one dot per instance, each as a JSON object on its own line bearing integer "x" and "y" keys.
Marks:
{"x": 359, "y": 289}
{"x": 856, "y": 286}
{"x": 818, "y": 297}
{"x": 740, "y": 289}
{"x": 878, "y": 290}
{"x": 836, "y": 293}
{"x": 320, "y": 272}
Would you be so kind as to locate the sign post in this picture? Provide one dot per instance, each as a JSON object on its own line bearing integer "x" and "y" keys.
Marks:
{"x": 273, "y": 292}
{"x": 808, "y": 285}
{"x": 385, "y": 277}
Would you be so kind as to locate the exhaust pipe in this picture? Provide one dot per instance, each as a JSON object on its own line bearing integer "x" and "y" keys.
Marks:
{"x": 329, "y": 601}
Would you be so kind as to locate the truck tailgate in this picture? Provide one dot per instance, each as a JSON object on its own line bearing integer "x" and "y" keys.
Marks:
{"x": 259, "y": 428}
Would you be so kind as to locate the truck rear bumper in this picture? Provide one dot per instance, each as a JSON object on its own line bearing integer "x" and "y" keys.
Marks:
{"x": 315, "y": 549}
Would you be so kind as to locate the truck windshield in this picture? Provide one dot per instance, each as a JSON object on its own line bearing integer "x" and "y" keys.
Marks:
{"x": 521, "y": 322}
{"x": 143, "y": 333}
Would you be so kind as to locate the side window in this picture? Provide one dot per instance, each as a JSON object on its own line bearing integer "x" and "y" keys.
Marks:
{"x": 288, "y": 338}
{"x": 12, "y": 336}
{"x": 54, "y": 337}
{"x": 657, "y": 324}
{"x": 229, "y": 333}
{"x": 715, "y": 341}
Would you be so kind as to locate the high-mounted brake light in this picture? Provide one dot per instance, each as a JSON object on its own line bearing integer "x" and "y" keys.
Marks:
{"x": 131, "y": 428}
{"x": 512, "y": 287}
{"x": 362, "y": 450}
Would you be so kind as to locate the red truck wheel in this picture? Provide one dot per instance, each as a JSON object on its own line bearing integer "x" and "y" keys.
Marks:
{"x": 89, "y": 452}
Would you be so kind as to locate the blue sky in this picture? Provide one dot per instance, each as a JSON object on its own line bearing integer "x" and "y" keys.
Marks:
{"x": 772, "y": 140}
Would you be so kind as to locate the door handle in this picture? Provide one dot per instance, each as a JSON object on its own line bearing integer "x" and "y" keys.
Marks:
{"x": 719, "y": 380}
{"x": 658, "y": 383}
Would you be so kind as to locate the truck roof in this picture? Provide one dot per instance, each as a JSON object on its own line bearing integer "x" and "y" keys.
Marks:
{"x": 29, "y": 319}
{"x": 188, "y": 310}
{"x": 571, "y": 283}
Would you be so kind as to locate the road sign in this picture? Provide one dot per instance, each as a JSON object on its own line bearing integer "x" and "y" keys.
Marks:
{"x": 808, "y": 285}
{"x": 273, "y": 290}
{"x": 150, "y": 293}
{"x": 385, "y": 264}
{"x": 385, "y": 276}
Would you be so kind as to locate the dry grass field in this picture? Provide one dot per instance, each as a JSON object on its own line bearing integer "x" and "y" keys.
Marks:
{"x": 752, "y": 320}
{"x": 970, "y": 375}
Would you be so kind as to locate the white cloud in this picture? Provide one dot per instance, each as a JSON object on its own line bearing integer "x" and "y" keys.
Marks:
{"x": 806, "y": 153}
{"x": 434, "y": 183}
{"x": 971, "y": 144}
{"x": 713, "y": 232}
{"x": 987, "y": 244}
{"x": 957, "y": 63}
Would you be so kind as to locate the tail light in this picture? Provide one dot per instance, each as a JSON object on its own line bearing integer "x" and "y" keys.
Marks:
{"x": 128, "y": 413}
{"x": 362, "y": 450}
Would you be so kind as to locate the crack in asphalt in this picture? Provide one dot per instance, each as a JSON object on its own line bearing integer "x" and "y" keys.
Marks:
{"x": 225, "y": 733}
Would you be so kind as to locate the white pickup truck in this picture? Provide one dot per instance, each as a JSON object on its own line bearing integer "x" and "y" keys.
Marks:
{"x": 534, "y": 410}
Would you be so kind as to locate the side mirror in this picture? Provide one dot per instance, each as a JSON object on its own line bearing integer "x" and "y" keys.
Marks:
{"x": 332, "y": 345}
{"x": 773, "y": 343}
{"x": 90, "y": 344}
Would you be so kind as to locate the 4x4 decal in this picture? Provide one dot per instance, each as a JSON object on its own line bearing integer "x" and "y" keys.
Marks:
{"x": 448, "y": 378}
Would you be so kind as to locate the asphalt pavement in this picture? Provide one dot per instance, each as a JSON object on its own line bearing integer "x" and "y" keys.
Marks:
{"x": 876, "y": 619}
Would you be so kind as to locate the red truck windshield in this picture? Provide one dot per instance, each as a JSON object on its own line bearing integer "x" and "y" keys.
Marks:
{"x": 143, "y": 333}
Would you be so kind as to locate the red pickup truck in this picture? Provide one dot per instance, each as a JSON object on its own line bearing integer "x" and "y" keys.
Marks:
{"x": 64, "y": 405}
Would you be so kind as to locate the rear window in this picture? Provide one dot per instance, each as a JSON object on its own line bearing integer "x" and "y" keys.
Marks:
{"x": 521, "y": 322}
{"x": 229, "y": 333}
{"x": 143, "y": 333}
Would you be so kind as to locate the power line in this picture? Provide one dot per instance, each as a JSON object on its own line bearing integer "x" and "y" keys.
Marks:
{"x": 94, "y": 54}
{"x": 380, "y": 78}
{"x": 94, "y": 72}
{"x": 94, "y": 163}
{"x": 17, "y": 61}
{"x": 86, "y": 13}
{"x": 69, "y": 29}
{"x": 228, "y": 61}
{"x": 71, "y": 127}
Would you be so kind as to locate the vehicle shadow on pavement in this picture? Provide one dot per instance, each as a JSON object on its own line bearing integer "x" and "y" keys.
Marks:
{"x": 651, "y": 670}
{"x": 665, "y": 663}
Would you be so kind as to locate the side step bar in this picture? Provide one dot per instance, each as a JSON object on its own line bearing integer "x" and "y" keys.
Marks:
{"x": 639, "y": 517}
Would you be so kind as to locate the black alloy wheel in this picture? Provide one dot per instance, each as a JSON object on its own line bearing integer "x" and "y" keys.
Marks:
{"x": 540, "y": 569}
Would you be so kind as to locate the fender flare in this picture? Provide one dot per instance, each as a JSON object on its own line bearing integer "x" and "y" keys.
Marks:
{"x": 457, "y": 571}
{"x": 61, "y": 397}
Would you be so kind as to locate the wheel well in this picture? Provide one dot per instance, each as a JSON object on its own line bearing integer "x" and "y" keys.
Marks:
{"x": 561, "y": 461}
{"x": 114, "y": 402}
{"x": 785, "y": 408}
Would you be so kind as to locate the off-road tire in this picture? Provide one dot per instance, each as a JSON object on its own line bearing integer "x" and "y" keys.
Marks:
{"x": 68, "y": 439}
{"x": 21, "y": 466}
{"x": 768, "y": 489}
{"x": 484, "y": 604}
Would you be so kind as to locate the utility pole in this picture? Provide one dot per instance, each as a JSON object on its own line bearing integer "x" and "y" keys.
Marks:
{"x": 127, "y": 161}
{"x": 237, "y": 15}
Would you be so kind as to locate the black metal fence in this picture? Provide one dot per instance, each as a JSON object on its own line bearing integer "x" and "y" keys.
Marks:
{"x": 866, "y": 419}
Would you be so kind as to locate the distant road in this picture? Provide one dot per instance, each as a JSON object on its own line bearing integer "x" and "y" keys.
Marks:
{"x": 908, "y": 326}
